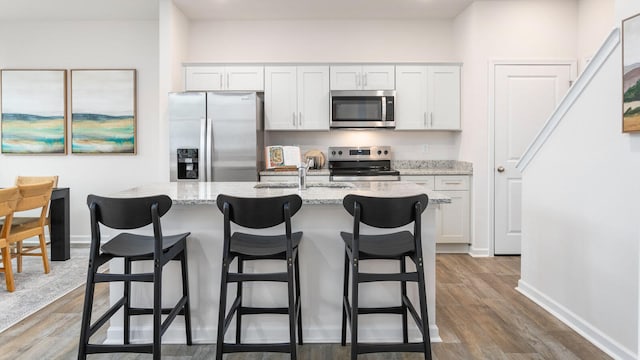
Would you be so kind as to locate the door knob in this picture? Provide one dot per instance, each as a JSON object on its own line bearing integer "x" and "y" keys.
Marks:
{"x": 500, "y": 169}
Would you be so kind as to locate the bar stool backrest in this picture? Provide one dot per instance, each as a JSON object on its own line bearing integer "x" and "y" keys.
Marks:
{"x": 127, "y": 213}
{"x": 385, "y": 212}
{"x": 259, "y": 213}
{"x": 8, "y": 201}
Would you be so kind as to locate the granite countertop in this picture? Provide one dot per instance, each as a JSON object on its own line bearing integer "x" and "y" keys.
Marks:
{"x": 195, "y": 193}
{"x": 312, "y": 172}
{"x": 405, "y": 167}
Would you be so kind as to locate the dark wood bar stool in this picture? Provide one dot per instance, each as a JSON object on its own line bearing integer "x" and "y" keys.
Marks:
{"x": 127, "y": 214}
{"x": 385, "y": 213}
{"x": 259, "y": 213}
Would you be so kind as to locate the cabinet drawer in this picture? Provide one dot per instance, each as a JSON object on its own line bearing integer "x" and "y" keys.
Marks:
{"x": 423, "y": 180}
{"x": 451, "y": 183}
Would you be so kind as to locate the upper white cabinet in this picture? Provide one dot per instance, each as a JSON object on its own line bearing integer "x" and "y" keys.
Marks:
{"x": 237, "y": 77}
{"x": 363, "y": 77}
{"x": 427, "y": 97}
{"x": 296, "y": 98}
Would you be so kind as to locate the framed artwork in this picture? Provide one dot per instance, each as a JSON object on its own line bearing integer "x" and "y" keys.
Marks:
{"x": 103, "y": 111}
{"x": 34, "y": 108}
{"x": 631, "y": 74}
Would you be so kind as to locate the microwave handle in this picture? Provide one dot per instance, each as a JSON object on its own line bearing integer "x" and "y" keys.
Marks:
{"x": 384, "y": 108}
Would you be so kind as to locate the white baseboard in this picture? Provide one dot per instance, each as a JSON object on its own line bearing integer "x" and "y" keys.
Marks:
{"x": 575, "y": 322}
{"x": 452, "y": 248}
{"x": 479, "y": 252}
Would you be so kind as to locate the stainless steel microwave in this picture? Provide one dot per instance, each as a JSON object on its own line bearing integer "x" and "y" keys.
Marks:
{"x": 363, "y": 109}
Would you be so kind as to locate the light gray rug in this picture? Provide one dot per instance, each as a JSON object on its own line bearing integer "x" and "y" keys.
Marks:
{"x": 35, "y": 289}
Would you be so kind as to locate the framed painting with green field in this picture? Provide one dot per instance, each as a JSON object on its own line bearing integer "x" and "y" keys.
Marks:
{"x": 103, "y": 111}
{"x": 33, "y": 111}
{"x": 631, "y": 74}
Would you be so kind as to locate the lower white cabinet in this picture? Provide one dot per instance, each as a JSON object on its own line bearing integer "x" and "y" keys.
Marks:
{"x": 452, "y": 220}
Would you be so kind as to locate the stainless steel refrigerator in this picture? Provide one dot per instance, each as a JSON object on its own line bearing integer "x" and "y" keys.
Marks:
{"x": 216, "y": 136}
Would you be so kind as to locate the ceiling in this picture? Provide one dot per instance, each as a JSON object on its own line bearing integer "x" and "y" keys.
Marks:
{"x": 322, "y": 9}
{"x": 232, "y": 9}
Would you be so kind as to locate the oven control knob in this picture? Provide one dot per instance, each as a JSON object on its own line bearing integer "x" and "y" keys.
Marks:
{"x": 386, "y": 152}
{"x": 340, "y": 152}
{"x": 379, "y": 152}
{"x": 333, "y": 152}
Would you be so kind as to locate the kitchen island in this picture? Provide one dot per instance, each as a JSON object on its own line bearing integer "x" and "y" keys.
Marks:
{"x": 321, "y": 219}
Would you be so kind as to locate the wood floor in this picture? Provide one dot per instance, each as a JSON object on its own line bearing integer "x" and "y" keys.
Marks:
{"x": 479, "y": 314}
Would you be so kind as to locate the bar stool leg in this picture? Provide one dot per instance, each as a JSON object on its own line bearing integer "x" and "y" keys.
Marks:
{"x": 127, "y": 302}
{"x": 354, "y": 311}
{"x": 185, "y": 292}
{"x": 403, "y": 291}
{"x": 157, "y": 310}
{"x": 292, "y": 311}
{"x": 239, "y": 295}
{"x": 222, "y": 308}
{"x": 86, "y": 309}
{"x": 345, "y": 293}
{"x": 422, "y": 293}
{"x": 297, "y": 310}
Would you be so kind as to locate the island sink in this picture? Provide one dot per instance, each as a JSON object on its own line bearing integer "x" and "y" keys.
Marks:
{"x": 291, "y": 185}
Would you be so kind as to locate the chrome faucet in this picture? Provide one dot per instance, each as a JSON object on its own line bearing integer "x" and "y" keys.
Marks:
{"x": 302, "y": 174}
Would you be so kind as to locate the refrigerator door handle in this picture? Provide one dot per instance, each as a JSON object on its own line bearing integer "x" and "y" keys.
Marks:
{"x": 203, "y": 145}
{"x": 208, "y": 150}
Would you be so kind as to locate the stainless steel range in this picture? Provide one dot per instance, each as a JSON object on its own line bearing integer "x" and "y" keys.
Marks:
{"x": 361, "y": 163}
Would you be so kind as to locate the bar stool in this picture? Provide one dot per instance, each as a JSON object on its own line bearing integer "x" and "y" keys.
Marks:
{"x": 259, "y": 213}
{"x": 127, "y": 214}
{"x": 385, "y": 213}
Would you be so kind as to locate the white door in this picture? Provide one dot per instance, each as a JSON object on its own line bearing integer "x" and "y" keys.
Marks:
{"x": 524, "y": 98}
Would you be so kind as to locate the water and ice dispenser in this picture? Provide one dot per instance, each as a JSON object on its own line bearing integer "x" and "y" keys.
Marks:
{"x": 188, "y": 164}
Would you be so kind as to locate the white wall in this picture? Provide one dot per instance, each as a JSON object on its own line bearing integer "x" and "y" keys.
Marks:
{"x": 320, "y": 41}
{"x": 595, "y": 21}
{"x": 172, "y": 50}
{"x": 581, "y": 202}
{"x": 94, "y": 45}
{"x": 498, "y": 30}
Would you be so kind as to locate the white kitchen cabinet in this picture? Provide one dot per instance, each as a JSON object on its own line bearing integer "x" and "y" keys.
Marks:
{"x": 452, "y": 220}
{"x": 427, "y": 97}
{"x": 411, "y": 97}
{"x": 297, "y": 98}
{"x": 215, "y": 77}
{"x": 363, "y": 77}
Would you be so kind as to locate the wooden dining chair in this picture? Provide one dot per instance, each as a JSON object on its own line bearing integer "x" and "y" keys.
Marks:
{"x": 32, "y": 197}
{"x": 8, "y": 201}
{"x": 22, "y": 250}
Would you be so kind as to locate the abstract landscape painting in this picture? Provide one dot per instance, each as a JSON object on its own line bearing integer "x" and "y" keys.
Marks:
{"x": 631, "y": 71}
{"x": 33, "y": 111}
{"x": 103, "y": 111}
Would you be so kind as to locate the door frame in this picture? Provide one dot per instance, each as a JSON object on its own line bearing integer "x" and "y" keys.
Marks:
{"x": 492, "y": 121}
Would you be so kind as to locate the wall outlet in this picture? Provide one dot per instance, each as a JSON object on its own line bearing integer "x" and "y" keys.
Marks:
{"x": 425, "y": 148}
